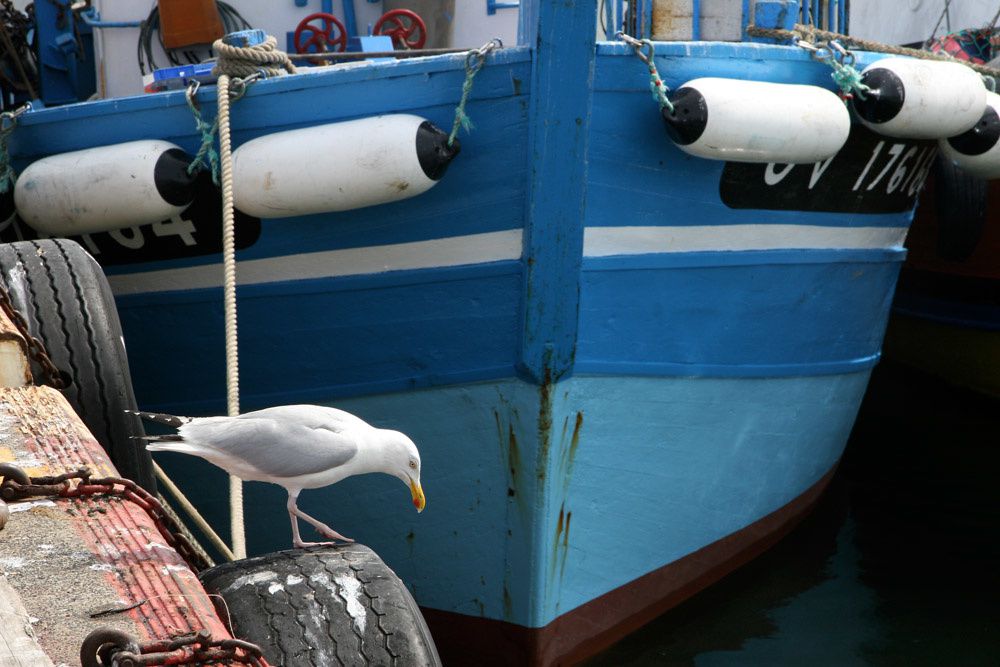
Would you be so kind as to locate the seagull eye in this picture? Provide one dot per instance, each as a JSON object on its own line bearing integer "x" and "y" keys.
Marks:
{"x": 413, "y": 464}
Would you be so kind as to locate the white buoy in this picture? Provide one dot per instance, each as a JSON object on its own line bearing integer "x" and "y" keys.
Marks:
{"x": 757, "y": 121}
{"x": 920, "y": 99}
{"x": 339, "y": 166}
{"x": 105, "y": 188}
{"x": 977, "y": 151}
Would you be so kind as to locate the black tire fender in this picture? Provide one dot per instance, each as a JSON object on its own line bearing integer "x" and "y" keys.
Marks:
{"x": 960, "y": 205}
{"x": 65, "y": 298}
{"x": 323, "y": 606}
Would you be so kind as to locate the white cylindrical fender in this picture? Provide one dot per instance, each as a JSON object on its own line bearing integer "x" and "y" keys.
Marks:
{"x": 977, "y": 151}
{"x": 757, "y": 121}
{"x": 105, "y": 188}
{"x": 920, "y": 99}
{"x": 339, "y": 166}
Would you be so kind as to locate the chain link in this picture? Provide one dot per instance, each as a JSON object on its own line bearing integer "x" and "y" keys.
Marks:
{"x": 59, "y": 485}
{"x": 193, "y": 648}
{"x": 118, "y": 648}
{"x": 36, "y": 348}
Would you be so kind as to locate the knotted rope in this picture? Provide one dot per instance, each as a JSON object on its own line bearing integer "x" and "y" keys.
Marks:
{"x": 844, "y": 74}
{"x": 811, "y": 34}
{"x": 244, "y": 61}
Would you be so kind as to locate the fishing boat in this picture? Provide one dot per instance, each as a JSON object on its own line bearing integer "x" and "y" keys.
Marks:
{"x": 946, "y": 313}
{"x": 630, "y": 348}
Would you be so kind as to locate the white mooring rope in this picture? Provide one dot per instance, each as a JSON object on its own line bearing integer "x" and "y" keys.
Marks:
{"x": 236, "y": 523}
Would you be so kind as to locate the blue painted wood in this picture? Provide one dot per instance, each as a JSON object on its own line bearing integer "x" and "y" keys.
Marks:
{"x": 770, "y": 314}
{"x": 779, "y": 14}
{"x": 350, "y": 19}
{"x": 559, "y": 125}
{"x": 330, "y": 338}
{"x": 658, "y": 470}
{"x": 493, "y": 5}
{"x": 662, "y": 468}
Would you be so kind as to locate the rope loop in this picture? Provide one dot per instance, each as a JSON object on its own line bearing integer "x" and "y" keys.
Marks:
{"x": 8, "y": 121}
{"x": 245, "y": 61}
{"x": 474, "y": 61}
{"x": 646, "y": 52}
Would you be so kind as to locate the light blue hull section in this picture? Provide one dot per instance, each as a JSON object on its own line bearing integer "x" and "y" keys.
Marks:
{"x": 527, "y": 519}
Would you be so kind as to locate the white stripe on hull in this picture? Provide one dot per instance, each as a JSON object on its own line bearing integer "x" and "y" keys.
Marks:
{"x": 507, "y": 245}
{"x": 607, "y": 241}
{"x": 454, "y": 251}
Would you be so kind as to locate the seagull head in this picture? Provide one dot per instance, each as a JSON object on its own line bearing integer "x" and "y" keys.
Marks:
{"x": 403, "y": 460}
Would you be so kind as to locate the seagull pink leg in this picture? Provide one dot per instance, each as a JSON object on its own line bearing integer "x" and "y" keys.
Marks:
{"x": 322, "y": 528}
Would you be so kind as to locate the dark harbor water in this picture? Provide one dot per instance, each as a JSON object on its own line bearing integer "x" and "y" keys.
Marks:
{"x": 898, "y": 565}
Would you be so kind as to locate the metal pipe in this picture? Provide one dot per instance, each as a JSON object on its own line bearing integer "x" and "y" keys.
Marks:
{"x": 695, "y": 20}
{"x": 356, "y": 55}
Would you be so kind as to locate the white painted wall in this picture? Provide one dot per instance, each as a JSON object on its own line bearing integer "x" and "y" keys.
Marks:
{"x": 908, "y": 21}
{"x": 473, "y": 27}
{"x": 118, "y": 69}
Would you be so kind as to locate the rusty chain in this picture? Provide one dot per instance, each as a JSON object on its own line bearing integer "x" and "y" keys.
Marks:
{"x": 18, "y": 486}
{"x": 36, "y": 349}
{"x": 106, "y": 646}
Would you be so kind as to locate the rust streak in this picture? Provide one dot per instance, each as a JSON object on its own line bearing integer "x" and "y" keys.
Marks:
{"x": 574, "y": 442}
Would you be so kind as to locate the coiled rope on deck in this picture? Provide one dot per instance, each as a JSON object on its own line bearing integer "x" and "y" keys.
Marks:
{"x": 244, "y": 61}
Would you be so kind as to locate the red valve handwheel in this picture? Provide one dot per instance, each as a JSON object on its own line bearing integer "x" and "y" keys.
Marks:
{"x": 406, "y": 28}
{"x": 327, "y": 34}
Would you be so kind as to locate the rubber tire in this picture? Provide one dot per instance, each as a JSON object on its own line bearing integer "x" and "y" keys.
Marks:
{"x": 306, "y": 620}
{"x": 66, "y": 300}
{"x": 960, "y": 204}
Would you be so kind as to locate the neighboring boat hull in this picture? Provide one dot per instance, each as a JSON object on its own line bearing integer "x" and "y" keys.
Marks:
{"x": 946, "y": 316}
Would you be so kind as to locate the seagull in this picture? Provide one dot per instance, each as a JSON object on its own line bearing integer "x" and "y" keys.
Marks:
{"x": 294, "y": 446}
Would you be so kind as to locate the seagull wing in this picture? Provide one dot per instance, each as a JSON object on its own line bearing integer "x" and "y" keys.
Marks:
{"x": 275, "y": 447}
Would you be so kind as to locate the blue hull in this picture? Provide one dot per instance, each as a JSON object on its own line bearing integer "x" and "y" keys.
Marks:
{"x": 593, "y": 402}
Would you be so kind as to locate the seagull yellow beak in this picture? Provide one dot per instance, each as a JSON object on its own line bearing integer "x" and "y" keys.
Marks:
{"x": 418, "y": 496}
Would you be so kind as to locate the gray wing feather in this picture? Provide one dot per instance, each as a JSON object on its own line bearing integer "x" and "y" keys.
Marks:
{"x": 275, "y": 447}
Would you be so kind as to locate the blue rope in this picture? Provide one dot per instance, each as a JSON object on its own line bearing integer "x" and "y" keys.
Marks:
{"x": 207, "y": 148}
{"x": 658, "y": 88}
{"x": 474, "y": 61}
{"x": 848, "y": 79}
{"x": 462, "y": 119}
